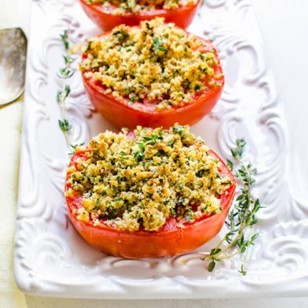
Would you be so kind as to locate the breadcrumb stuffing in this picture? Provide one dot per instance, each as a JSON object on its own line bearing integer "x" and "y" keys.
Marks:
{"x": 137, "y": 183}
{"x": 155, "y": 63}
{"x": 121, "y": 7}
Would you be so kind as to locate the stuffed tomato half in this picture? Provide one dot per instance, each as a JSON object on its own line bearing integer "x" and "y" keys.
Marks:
{"x": 153, "y": 75}
{"x": 148, "y": 193}
{"x": 109, "y": 14}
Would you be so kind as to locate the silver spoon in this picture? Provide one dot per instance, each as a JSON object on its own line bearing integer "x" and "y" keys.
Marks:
{"x": 13, "y": 51}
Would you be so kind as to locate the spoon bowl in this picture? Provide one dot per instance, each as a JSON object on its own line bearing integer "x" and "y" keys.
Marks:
{"x": 13, "y": 51}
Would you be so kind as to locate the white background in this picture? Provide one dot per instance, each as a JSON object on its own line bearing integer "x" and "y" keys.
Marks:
{"x": 284, "y": 27}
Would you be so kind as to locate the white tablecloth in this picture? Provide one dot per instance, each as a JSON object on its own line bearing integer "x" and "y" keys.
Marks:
{"x": 284, "y": 26}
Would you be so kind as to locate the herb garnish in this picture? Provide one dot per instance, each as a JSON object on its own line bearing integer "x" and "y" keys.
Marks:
{"x": 158, "y": 45}
{"x": 65, "y": 73}
{"x": 241, "y": 217}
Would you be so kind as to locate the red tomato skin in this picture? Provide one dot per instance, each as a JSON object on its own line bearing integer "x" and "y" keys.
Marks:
{"x": 182, "y": 17}
{"x": 120, "y": 114}
{"x": 169, "y": 241}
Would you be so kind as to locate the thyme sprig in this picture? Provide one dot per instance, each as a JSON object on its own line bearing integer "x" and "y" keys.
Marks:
{"x": 242, "y": 216}
{"x": 65, "y": 73}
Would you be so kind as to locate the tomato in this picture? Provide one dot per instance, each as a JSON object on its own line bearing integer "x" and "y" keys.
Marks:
{"x": 122, "y": 114}
{"x": 171, "y": 239}
{"x": 107, "y": 20}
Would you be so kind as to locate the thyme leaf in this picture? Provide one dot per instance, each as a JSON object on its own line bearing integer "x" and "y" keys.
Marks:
{"x": 64, "y": 125}
{"x": 74, "y": 148}
{"x": 64, "y": 37}
{"x": 242, "y": 217}
{"x": 158, "y": 45}
{"x": 62, "y": 95}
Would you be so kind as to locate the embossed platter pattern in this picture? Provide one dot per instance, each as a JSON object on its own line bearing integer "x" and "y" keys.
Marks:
{"x": 51, "y": 259}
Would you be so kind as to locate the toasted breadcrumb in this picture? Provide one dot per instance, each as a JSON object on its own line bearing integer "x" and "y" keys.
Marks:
{"x": 156, "y": 63}
{"x": 121, "y": 7}
{"x": 138, "y": 183}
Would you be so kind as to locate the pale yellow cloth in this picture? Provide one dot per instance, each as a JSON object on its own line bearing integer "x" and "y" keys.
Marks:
{"x": 10, "y": 127}
{"x": 10, "y": 117}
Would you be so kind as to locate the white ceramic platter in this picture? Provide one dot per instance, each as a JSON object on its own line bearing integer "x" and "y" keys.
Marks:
{"x": 51, "y": 259}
